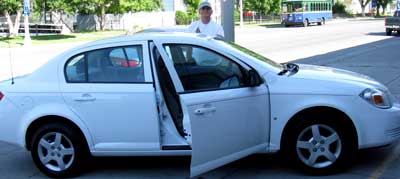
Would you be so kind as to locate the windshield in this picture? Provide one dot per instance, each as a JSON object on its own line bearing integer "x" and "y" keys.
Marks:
{"x": 252, "y": 54}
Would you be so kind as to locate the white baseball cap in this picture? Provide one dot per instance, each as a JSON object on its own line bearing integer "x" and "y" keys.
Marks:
{"x": 205, "y": 4}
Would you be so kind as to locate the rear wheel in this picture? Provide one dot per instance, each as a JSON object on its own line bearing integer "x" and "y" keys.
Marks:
{"x": 58, "y": 151}
{"x": 320, "y": 146}
{"x": 388, "y": 31}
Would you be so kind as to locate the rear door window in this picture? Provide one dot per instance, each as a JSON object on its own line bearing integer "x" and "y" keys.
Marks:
{"x": 109, "y": 65}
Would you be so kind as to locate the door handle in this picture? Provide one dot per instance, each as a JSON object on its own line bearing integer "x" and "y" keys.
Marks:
{"x": 85, "y": 97}
{"x": 204, "y": 110}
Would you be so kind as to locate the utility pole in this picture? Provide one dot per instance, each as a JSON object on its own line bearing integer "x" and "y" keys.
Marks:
{"x": 241, "y": 13}
{"x": 228, "y": 23}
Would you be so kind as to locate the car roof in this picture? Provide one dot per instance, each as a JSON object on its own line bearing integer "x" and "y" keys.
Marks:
{"x": 145, "y": 36}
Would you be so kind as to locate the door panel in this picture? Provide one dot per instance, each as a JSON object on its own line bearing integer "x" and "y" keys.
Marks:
{"x": 227, "y": 120}
{"x": 226, "y": 126}
{"x": 115, "y": 97}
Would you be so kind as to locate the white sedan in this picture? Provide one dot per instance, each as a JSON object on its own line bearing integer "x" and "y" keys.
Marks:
{"x": 185, "y": 94}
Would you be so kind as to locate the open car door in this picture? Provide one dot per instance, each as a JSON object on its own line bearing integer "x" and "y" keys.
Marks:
{"x": 228, "y": 120}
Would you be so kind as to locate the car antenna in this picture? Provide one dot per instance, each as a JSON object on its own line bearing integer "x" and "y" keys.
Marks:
{"x": 11, "y": 67}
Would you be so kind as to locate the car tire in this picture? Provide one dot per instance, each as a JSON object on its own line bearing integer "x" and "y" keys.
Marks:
{"x": 59, "y": 151}
{"x": 388, "y": 31}
{"x": 320, "y": 145}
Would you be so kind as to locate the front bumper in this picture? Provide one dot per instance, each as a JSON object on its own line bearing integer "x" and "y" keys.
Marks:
{"x": 379, "y": 127}
{"x": 394, "y": 27}
{"x": 292, "y": 23}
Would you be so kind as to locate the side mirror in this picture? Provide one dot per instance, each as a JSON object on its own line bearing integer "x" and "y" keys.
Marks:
{"x": 253, "y": 78}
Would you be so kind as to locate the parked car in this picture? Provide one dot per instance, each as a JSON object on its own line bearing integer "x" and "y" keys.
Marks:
{"x": 216, "y": 110}
{"x": 393, "y": 23}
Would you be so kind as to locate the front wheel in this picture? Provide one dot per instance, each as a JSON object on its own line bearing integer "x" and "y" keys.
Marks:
{"x": 305, "y": 23}
{"x": 388, "y": 31}
{"x": 58, "y": 151}
{"x": 320, "y": 147}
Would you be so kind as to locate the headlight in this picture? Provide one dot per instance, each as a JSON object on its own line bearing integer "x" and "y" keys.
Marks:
{"x": 377, "y": 98}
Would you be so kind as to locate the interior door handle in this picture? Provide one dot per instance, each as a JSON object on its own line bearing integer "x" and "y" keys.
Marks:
{"x": 85, "y": 97}
{"x": 205, "y": 110}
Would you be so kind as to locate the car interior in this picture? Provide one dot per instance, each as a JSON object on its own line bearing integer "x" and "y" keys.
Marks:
{"x": 170, "y": 94}
{"x": 203, "y": 73}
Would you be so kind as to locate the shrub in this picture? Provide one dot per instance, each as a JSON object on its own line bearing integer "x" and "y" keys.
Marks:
{"x": 339, "y": 8}
{"x": 181, "y": 18}
{"x": 237, "y": 15}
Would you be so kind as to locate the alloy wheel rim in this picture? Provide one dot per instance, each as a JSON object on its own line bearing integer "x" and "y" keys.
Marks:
{"x": 56, "y": 151}
{"x": 318, "y": 146}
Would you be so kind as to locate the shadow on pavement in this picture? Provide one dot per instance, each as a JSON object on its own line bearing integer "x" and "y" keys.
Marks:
{"x": 383, "y": 34}
{"x": 266, "y": 165}
{"x": 273, "y": 26}
{"x": 379, "y": 60}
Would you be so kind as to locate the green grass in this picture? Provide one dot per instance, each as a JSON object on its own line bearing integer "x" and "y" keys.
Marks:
{"x": 6, "y": 42}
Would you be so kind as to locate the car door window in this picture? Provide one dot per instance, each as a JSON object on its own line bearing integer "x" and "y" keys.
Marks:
{"x": 75, "y": 69}
{"x": 134, "y": 56}
{"x": 203, "y": 69}
{"x": 109, "y": 65}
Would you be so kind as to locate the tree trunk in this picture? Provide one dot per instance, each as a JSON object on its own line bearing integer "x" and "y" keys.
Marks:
{"x": 17, "y": 23}
{"x": 9, "y": 23}
{"x": 102, "y": 16}
{"x": 377, "y": 10}
{"x": 66, "y": 29}
{"x": 363, "y": 10}
{"x": 383, "y": 10}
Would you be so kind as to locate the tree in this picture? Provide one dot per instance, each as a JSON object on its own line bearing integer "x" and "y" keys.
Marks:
{"x": 101, "y": 7}
{"x": 384, "y": 4}
{"x": 135, "y": 6}
{"x": 8, "y": 7}
{"x": 363, "y": 4}
{"x": 378, "y": 6}
{"x": 192, "y": 6}
{"x": 98, "y": 7}
{"x": 263, "y": 6}
{"x": 53, "y": 5}
{"x": 276, "y": 6}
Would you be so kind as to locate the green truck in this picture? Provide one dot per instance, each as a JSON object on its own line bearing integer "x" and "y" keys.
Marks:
{"x": 393, "y": 23}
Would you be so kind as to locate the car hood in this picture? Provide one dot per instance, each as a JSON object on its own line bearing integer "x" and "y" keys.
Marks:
{"x": 333, "y": 74}
{"x": 311, "y": 79}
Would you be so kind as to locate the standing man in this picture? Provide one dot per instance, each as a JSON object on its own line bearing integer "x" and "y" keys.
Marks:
{"x": 205, "y": 25}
